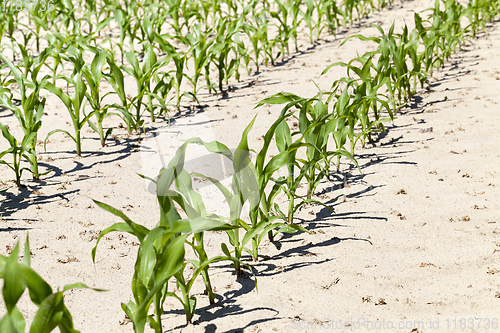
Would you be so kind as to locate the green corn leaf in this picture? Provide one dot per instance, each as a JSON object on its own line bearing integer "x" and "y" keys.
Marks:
{"x": 173, "y": 257}
{"x": 271, "y": 226}
{"x": 14, "y": 285}
{"x": 138, "y": 320}
{"x": 276, "y": 163}
{"x": 306, "y": 201}
{"x": 13, "y": 323}
{"x": 214, "y": 147}
{"x": 279, "y": 98}
{"x": 121, "y": 227}
{"x": 79, "y": 285}
{"x": 59, "y": 93}
{"x": 225, "y": 249}
{"x": 174, "y": 168}
{"x": 184, "y": 185}
{"x": 18, "y": 76}
{"x": 199, "y": 224}
{"x": 26, "y": 260}
{"x": 146, "y": 256}
{"x": 37, "y": 287}
{"x": 66, "y": 324}
{"x": 54, "y": 132}
{"x": 138, "y": 230}
{"x": 49, "y": 314}
{"x": 254, "y": 231}
{"x": 292, "y": 228}
{"x": 283, "y": 136}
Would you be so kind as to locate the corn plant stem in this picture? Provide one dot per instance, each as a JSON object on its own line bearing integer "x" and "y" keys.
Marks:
{"x": 291, "y": 201}
{"x": 78, "y": 141}
{"x": 158, "y": 311}
{"x": 17, "y": 153}
{"x": 237, "y": 266}
{"x": 185, "y": 296}
{"x": 101, "y": 133}
{"x": 309, "y": 190}
{"x": 254, "y": 214}
{"x": 34, "y": 165}
{"x": 204, "y": 273}
{"x": 255, "y": 249}
{"x": 150, "y": 108}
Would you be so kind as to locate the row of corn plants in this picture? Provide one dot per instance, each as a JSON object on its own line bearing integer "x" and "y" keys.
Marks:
{"x": 378, "y": 84}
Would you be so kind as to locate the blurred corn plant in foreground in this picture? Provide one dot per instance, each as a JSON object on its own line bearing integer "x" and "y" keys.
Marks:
{"x": 17, "y": 277}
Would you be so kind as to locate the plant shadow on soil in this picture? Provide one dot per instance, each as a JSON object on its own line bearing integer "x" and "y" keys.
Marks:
{"x": 30, "y": 192}
{"x": 226, "y": 305}
{"x": 12, "y": 203}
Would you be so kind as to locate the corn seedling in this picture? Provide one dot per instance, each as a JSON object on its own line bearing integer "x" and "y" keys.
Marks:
{"x": 223, "y": 45}
{"x": 332, "y": 13}
{"x": 17, "y": 151}
{"x": 248, "y": 184}
{"x": 285, "y": 32}
{"x": 117, "y": 81}
{"x": 93, "y": 77}
{"x": 143, "y": 76}
{"x": 30, "y": 113}
{"x": 161, "y": 253}
{"x": 180, "y": 60}
{"x": 261, "y": 217}
{"x": 75, "y": 104}
{"x": 200, "y": 45}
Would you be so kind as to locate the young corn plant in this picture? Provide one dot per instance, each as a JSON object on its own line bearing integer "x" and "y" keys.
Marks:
{"x": 308, "y": 18}
{"x": 143, "y": 75}
{"x": 315, "y": 124}
{"x": 93, "y": 76}
{"x": 161, "y": 254}
{"x": 293, "y": 8}
{"x": 116, "y": 79}
{"x": 244, "y": 188}
{"x": 261, "y": 36}
{"x": 75, "y": 104}
{"x": 262, "y": 217}
{"x": 29, "y": 113}
{"x": 394, "y": 51}
{"x": 366, "y": 97}
{"x": 10, "y": 22}
{"x": 449, "y": 23}
{"x": 285, "y": 31}
{"x": 180, "y": 60}
{"x": 18, "y": 151}
{"x": 430, "y": 56}
{"x": 222, "y": 47}
{"x": 295, "y": 170}
{"x": 480, "y": 12}
{"x": 123, "y": 22}
{"x": 248, "y": 185}
{"x": 200, "y": 44}
{"x": 331, "y": 12}
{"x": 252, "y": 33}
{"x": 17, "y": 277}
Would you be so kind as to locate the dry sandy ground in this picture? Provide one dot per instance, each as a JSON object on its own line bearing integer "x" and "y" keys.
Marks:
{"x": 414, "y": 242}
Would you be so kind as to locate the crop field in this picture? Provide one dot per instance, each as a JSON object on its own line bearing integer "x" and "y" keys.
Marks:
{"x": 249, "y": 166}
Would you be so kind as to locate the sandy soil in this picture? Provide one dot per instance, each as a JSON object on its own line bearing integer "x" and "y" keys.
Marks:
{"x": 413, "y": 244}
